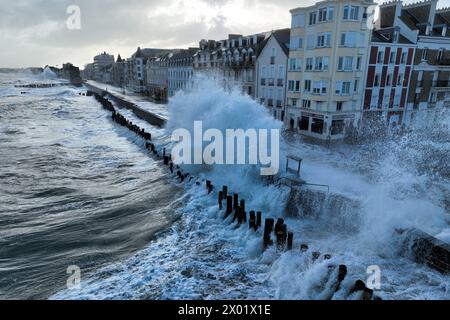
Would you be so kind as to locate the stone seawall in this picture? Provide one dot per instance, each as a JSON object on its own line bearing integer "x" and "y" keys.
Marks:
{"x": 151, "y": 118}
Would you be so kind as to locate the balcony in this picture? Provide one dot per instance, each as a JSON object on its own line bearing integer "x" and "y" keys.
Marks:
{"x": 280, "y": 82}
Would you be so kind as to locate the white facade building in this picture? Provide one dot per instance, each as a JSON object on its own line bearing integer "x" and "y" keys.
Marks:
{"x": 181, "y": 71}
{"x": 271, "y": 72}
{"x": 327, "y": 68}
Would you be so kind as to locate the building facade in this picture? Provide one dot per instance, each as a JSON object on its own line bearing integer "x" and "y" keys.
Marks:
{"x": 232, "y": 62}
{"x": 102, "y": 67}
{"x": 181, "y": 71}
{"x": 271, "y": 72}
{"x": 118, "y": 72}
{"x": 430, "y": 82}
{"x": 328, "y": 50}
{"x": 158, "y": 77}
{"x": 392, "y": 49}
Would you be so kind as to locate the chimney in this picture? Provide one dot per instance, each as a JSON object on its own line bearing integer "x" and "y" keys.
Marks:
{"x": 398, "y": 8}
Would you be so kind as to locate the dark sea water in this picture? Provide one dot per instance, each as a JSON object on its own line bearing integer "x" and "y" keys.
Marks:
{"x": 75, "y": 189}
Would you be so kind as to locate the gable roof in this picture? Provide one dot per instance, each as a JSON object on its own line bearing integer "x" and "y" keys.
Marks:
{"x": 282, "y": 36}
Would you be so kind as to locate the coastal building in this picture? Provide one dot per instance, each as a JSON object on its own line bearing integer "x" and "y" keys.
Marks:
{"x": 102, "y": 67}
{"x": 231, "y": 61}
{"x": 271, "y": 72}
{"x": 430, "y": 82}
{"x": 328, "y": 50}
{"x": 88, "y": 72}
{"x": 158, "y": 76}
{"x": 180, "y": 70}
{"x": 391, "y": 52}
{"x": 118, "y": 72}
{"x": 135, "y": 75}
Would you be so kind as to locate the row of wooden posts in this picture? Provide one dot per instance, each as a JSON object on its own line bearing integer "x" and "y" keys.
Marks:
{"x": 236, "y": 207}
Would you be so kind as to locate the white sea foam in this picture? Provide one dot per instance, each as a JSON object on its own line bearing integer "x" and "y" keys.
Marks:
{"x": 376, "y": 189}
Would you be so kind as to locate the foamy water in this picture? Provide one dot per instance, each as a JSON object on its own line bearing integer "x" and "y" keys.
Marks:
{"x": 375, "y": 189}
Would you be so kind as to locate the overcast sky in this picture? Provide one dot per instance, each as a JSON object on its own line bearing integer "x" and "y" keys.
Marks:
{"x": 34, "y": 32}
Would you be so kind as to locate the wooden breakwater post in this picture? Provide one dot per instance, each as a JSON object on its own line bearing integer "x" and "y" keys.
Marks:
{"x": 220, "y": 200}
{"x": 229, "y": 206}
{"x": 225, "y": 192}
{"x": 342, "y": 273}
{"x": 268, "y": 229}
{"x": 290, "y": 241}
{"x": 360, "y": 286}
{"x": 243, "y": 216}
{"x": 252, "y": 220}
{"x": 236, "y": 201}
{"x": 281, "y": 234}
{"x": 258, "y": 220}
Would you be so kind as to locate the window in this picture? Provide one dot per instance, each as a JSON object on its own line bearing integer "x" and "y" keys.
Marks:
{"x": 298, "y": 20}
{"x": 294, "y": 85}
{"x": 296, "y": 43}
{"x": 388, "y": 80}
{"x": 351, "y": 12}
{"x": 307, "y": 86}
{"x": 343, "y": 87}
{"x": 326, "y": 14}
{"x": 348, "y": 39}
{"x": 358, "y": 63}
{"x": 380, "y": 57}
{"x": 424, "y": 53}
{"x": 317, "y": 126}
{"x": 440, "y": 54}
{"x": 319, "y": 87}
{"x": 339, "y": 106}
{"x": 281, "y": 72}
{"x": 310, "y": 41}
{"x": 392, "y": 57}
{"x": 309, "y": 64}
{"x": 312, "y": 18}
{"x": 356, "y": 87}
{"x": 345, "y": 63}
{"x": 306, "y": 104}
{"x": 400, "y": 79}
{"x": 376, "y": 82}
{"x": 321, "y": 63}
{"x": 404, "y": 57}
{"x": 324, "y": 40}
{"x": 295, "y": 64}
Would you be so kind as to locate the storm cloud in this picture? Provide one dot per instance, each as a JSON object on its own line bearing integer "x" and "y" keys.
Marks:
{"x": 34, "y": 32}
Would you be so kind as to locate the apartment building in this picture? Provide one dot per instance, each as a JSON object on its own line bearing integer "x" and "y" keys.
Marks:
{"x": 231, "y": 61}
{"x": 102, "y": 67}
{"x": 391, "y": 58}
{"x": 181, "y": 71}
{"x": 430, "y": 82}
{"x": 328, "y": 58}
{"x": 118, "y": 72}
{"x": 158, "y": 76}
{"x": 271, "y": 72}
